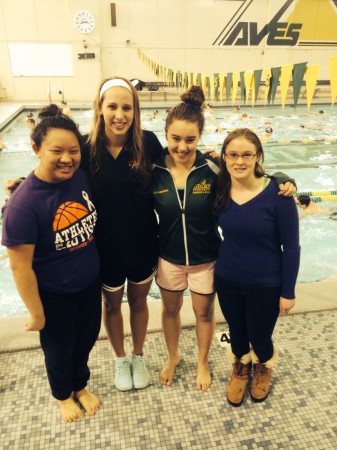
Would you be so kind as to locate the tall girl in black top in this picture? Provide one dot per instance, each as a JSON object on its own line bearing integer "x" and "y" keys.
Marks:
{"x": 119, "y": 156}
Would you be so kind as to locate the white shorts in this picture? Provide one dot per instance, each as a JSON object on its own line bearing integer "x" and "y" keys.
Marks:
{"x": 176, "y": 278}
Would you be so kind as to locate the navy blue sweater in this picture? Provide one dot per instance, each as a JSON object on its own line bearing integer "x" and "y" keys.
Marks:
{"x": 261, "y": 242}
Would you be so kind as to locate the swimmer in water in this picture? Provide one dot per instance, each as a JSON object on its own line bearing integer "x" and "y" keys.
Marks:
{"x": 264, "y": 137}
{"x": 307, "y": 206}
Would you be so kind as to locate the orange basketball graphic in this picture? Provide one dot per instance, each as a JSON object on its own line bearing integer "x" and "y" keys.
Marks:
{"x": 68, "y": 213}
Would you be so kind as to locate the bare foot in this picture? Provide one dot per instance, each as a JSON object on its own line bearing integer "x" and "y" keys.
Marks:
{"x": 69, "y": 410}
{"x": 88, "y": 400}
{"x": 167, "y": 373}
{"x": 203, "y": 378}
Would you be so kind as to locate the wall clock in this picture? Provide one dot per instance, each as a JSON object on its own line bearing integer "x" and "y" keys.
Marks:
{"x": 84, "y": 22}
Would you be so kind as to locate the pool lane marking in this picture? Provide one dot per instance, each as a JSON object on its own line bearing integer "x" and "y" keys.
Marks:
{"x": 318, "y": 193}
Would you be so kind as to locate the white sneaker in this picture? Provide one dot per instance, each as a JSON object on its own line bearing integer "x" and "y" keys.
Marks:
{"x": 140, "y": 374}
{"x": 123, "y": 379}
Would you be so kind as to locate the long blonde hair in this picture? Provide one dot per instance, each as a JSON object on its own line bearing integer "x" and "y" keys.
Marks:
{"x": 98, "y": 141}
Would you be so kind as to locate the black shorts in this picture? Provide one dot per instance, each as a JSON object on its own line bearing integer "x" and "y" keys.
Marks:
{"x": 114, "y": 278}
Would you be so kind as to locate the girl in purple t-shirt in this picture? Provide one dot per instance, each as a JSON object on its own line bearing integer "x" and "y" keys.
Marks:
{"x": 48, "y": 226}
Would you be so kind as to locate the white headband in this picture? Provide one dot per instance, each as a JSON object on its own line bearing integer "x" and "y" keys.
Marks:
{"x": 116, "y": 82}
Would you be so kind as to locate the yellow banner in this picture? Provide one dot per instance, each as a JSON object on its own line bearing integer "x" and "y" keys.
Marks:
{"x": 203, "y": 82}
{"x": 286, "y": 74}
{"x": 333, "y": 78}
{"x": 311, "y": 75}
{"x": 211, "y": 81}
{"x": 267, "y": 75}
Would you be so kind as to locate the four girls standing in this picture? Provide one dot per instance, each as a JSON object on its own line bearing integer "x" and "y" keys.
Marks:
{"x": 118, "y": 157}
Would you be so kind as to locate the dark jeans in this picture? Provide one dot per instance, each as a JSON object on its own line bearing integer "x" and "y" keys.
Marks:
{"x": 251, "y": 313}
{"x": 72, "y": 325}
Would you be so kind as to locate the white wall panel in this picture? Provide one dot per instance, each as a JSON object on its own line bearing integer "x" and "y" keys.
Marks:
{"x": 178, "y": 34}
{"x": 20, "y": 20}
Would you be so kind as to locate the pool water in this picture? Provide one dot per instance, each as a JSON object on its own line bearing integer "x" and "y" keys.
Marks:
{"x": 318, "y": 239}
{"x": 287, "y": 126}
{"x": 290, "y": 124}
{"x": 313, "y": 165}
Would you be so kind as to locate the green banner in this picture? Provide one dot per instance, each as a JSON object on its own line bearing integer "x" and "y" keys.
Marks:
{"x": 298, "y": 76}
{"x": 257, "y": 81}
{"x": 229, "y": 82}
{"x": 243, "y": 87}
{"x": 275, "y": 76}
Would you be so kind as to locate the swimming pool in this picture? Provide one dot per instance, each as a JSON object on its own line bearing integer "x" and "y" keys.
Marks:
{"x": 313, "y": 164}
{"x": 290, "y": 126}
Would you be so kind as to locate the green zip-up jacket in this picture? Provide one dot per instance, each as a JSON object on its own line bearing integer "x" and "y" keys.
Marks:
{"x": 188, "y": 232}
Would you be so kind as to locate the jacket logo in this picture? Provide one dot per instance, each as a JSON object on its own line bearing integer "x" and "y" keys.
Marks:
{"x": 202, "y": 188}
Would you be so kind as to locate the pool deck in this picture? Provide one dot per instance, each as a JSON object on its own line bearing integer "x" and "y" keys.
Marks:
{"x": 301, "y": 412}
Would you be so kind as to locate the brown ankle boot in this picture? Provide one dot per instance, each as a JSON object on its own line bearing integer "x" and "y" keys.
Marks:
{"x": 260, "y": 387}
{"x": 239, "y": 379}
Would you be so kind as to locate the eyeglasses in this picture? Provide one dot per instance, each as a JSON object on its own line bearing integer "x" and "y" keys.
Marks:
{"x": 245, "y": 156}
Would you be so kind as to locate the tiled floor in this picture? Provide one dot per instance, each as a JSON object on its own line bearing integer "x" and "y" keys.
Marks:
{"x": 301, "y": 412}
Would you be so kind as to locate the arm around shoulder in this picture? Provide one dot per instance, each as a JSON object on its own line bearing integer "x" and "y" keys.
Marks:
{"x": 152, "y": 146}
{"x": 286, "y": 184}
{"x": 11, "y": 184}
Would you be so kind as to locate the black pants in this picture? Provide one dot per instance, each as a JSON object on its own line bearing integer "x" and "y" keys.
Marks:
{"x": 251, "y": 313}
{"x": 72, "y": 326}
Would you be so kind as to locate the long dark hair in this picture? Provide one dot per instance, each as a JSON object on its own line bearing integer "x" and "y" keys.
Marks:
{"x": 190, "y": 108}
{"x": 224, "y": 180}
{"x": 51, "y": 117}
{"x": 98, "y": 141}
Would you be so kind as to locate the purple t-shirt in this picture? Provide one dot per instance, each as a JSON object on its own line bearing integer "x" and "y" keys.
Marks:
{"x": 59, "y": 219}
